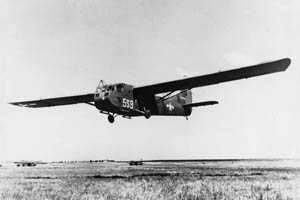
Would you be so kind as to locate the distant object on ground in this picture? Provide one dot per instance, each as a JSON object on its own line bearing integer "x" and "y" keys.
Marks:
{"x": 25, "y": 164}
{"x": 108, "y": 161}
{"x": 133, "y": 162}
{"x": 96, "y": 161}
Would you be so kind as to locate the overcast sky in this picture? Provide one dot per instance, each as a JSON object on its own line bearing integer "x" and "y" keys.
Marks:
{"x": 55, "y": 48}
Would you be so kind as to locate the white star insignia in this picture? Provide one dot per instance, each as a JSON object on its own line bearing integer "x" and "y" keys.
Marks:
{"x": 170, "y": 106}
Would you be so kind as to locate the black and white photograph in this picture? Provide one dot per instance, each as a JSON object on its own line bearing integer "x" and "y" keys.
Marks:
{"x": 149, "y": 99}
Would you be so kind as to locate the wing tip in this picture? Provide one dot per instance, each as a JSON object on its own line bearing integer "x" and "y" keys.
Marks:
{"x": 286, "y": 62}
{"x": 282, "y": 64}
{"x": 17, "y": 104}
{"x": 276, "y": 66}
{"x": 23, "y": 104}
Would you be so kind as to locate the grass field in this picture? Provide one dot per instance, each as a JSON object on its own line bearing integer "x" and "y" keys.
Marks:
{"x": 278, "y": 179}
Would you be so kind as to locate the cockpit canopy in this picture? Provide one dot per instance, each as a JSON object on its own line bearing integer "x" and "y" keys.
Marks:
{"x": 106, "y": 88}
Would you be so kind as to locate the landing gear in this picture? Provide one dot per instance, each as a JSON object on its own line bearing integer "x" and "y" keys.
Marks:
{"x": 147, "y": 114}
{"x": 111, "y": 118}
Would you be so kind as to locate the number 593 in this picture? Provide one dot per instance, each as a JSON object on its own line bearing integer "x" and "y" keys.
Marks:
{"x": 127, "y": 103}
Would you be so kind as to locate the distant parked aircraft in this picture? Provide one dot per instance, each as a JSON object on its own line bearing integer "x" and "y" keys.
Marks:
{"x": 25, "y": 163}
{"x": 135, "y": 162}
{"x": 129, "y": 101}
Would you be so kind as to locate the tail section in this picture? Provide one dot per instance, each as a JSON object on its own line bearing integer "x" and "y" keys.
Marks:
{"x": 185, "y": 98}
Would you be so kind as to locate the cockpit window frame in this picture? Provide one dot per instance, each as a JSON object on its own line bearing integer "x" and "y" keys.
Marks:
{"x": 120, "y": 87}
{"x": 110, "y": 87}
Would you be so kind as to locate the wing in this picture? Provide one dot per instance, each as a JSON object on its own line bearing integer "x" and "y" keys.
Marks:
{"x": 215, "y": 78}
{"x": 59, "y": 101}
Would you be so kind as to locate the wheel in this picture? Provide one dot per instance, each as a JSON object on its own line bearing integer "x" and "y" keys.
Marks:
{"x": 111, "y": 118}
{"x": 147, "y": 114}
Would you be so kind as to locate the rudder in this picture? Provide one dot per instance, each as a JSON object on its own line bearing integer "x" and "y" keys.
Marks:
{"x": 185, "y": 97}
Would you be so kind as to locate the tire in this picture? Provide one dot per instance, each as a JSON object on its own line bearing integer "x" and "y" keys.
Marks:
{"x": 147, "y": 114}
{"x": 111, "y": 118}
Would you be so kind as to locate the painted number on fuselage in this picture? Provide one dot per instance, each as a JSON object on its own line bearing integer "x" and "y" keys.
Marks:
{"x": 127, "y": 103}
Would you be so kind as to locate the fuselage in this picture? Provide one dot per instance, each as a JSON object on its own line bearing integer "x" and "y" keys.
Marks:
{"x": 119, "y": 99}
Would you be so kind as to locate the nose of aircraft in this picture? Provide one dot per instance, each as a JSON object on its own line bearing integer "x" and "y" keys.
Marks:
{"x": 102, "y": 101}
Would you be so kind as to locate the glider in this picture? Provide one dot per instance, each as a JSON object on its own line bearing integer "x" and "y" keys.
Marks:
{"x": 173, "y": 98}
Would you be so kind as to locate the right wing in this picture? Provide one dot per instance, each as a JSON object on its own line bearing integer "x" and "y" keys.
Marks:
{"x": 145, "y": 94}
{"x": 215, "y": 78}
{"x": 59, "y": 101}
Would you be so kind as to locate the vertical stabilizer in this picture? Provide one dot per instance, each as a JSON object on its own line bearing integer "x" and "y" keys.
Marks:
{"x": 185, "y": 97}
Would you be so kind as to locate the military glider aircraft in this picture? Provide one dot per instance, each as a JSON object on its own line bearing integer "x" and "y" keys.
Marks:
{"x": 173, "y": 98}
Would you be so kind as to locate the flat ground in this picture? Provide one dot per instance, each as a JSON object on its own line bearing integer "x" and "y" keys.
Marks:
{"x": 277, "y": 179}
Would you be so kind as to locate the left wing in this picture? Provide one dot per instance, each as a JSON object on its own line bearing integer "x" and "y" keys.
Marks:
{"x": 215, "y": 78}
{"x": 59, "y": 101}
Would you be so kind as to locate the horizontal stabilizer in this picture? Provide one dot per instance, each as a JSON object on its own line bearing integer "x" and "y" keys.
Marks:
{"x": 204, "y": 103}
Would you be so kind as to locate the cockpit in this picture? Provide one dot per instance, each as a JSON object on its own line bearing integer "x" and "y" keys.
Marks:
{"x": 104, "y": 90}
